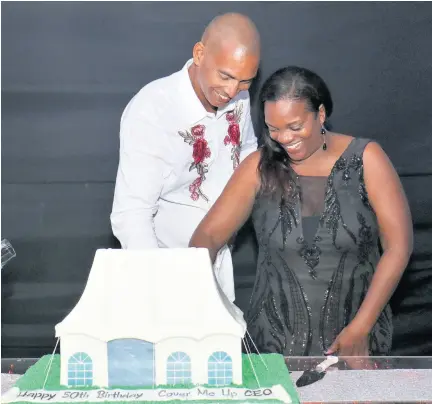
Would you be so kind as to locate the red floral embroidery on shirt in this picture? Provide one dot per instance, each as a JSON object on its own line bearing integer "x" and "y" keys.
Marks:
{"x": 200, "y": 152}
{"x": 233, "y": 137}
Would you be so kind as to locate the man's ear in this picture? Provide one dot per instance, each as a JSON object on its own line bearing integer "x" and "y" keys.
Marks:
{"x": 198, "y": 53}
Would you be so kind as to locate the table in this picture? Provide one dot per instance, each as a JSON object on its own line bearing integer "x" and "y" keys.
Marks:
{"x": 360, "y": 380}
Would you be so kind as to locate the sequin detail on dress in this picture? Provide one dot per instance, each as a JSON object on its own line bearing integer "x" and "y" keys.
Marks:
{"x": 310, "y": 254}
{"x": 331, "y": 217}
{"x": 330, "y": 319}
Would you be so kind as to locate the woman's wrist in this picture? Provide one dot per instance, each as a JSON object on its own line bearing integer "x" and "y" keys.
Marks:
{"x": 362, "y": 325}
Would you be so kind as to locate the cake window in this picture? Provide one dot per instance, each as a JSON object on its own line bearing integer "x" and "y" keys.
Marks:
{"x": 220, "y": 369}
{"x": 179, "y": 369}
{"x": 80, "y": 370}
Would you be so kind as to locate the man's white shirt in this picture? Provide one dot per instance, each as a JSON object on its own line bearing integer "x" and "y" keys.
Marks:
{"x": 175, "y": 160}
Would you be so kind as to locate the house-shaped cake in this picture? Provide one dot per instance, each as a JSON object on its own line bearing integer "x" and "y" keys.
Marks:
{"x": 151, "y": 317}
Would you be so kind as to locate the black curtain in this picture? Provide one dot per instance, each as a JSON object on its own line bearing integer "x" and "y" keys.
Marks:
{"x": 69, "y": 69}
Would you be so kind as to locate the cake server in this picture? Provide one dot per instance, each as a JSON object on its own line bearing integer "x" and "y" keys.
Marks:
{"x": 312, "y": 376}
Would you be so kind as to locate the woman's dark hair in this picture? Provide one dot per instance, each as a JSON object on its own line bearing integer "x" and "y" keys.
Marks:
{"x": 290, "y": 83}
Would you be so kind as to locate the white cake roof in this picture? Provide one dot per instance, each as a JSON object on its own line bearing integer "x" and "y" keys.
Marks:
{"x": 152, "y": 295}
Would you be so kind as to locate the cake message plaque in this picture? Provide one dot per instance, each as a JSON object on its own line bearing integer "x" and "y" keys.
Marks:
{"x": 276, "y": 392}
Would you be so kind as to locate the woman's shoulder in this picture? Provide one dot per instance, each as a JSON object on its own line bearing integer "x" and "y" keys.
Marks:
{"x": 248, "y": 170}
{"x": 252, "y": 160}
{"x": 357, "y": 144}
{"x": 369, "y": 149}
{"x": 249, "y": 166}
{"x": 344, "y": 138}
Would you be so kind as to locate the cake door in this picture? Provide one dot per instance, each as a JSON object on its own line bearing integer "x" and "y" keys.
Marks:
{"x": 130, "y": 363}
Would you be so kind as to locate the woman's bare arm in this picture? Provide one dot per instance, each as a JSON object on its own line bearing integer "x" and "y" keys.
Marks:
{"x": 390, "y": 204}
{"x": 231, "y": 210}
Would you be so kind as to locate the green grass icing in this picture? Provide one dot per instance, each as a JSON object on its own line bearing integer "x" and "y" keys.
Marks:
{"x": 272, "y": 373}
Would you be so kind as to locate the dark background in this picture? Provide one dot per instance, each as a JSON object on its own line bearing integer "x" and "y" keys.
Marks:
{"x": 69, "y": 69}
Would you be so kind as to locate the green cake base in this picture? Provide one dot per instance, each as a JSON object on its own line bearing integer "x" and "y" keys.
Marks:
{"x": 276, "y": 374}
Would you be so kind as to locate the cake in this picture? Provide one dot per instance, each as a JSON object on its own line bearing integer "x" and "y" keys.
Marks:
{"x": 154, "y": 325}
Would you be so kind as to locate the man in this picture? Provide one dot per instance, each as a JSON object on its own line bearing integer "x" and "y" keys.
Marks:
{"x": 181, "y": 137}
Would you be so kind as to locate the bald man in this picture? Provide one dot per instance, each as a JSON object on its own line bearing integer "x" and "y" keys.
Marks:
{"x": 181, "y": 138}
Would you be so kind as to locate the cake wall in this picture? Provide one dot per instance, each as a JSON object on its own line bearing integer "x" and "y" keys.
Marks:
{"x": 94, "y": 348}
{"x": 199, "y": 353}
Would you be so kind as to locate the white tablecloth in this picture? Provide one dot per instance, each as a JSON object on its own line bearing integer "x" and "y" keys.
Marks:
{"x": 7, "y": 381}
{"x": 391, "y": 386}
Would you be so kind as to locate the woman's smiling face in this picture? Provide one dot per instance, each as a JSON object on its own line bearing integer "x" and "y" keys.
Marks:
{"x": 294, "y": 126}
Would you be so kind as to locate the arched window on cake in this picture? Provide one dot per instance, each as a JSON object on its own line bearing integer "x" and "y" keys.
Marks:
{"x": 80, "y": 370}
{"x": 219, "y": 369}
{"x": 179, "y": 369}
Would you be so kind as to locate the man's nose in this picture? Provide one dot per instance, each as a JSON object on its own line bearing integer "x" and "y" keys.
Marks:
{"x": 232, "y": 89}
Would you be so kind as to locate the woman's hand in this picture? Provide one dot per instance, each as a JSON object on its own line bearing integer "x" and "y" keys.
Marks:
{"x": 352, "y": 341}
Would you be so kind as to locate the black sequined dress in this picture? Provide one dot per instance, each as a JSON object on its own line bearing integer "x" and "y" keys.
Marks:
{"x": 317, "y": 255}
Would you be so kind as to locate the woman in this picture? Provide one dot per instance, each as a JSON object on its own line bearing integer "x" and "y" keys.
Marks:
{"x": 320, "y": 202}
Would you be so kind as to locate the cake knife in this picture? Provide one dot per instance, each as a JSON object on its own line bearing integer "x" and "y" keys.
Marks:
{"x": 312, "y": 376}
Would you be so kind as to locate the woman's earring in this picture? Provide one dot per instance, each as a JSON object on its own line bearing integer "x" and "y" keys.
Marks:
{"x": 323, "y": 132}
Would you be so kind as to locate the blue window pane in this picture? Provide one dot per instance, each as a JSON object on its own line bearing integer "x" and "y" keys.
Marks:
{"x": 220, "y": 369}
{"x": 179, "y": 368}
{"x": 80, "y": 370}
